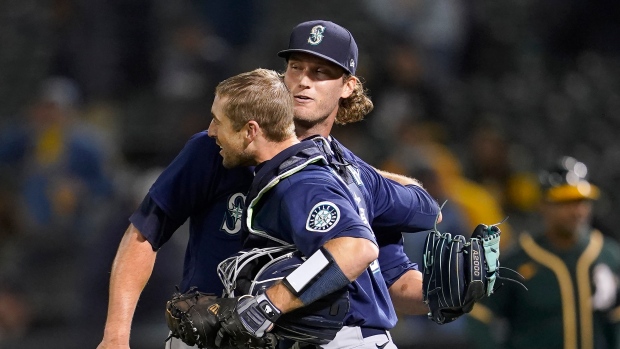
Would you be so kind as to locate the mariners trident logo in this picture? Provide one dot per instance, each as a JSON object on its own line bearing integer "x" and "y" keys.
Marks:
{"x": 316, "y": 35}
{"x": 232, "y": 217}
{"x": 323, "y": 217}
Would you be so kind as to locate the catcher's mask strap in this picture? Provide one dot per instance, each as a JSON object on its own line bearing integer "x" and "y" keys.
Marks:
{"x": 317, "y": 277}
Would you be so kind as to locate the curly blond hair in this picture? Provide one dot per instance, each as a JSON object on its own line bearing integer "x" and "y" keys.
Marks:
{"x": 356, "y": 106}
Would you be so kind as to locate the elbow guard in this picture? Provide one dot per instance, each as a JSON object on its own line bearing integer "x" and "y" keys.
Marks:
{"x": 316, "y": 278}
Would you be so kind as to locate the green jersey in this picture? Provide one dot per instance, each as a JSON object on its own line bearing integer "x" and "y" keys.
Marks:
{"x": 573, "y": 299}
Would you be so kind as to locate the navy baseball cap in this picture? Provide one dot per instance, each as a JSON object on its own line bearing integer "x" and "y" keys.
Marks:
{"x": 324, "y": 39}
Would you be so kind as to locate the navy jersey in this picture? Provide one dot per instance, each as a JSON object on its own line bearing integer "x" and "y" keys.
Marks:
{"x": 196, "y": 186}
{"x": 392, "y": 208}
{"x": 297, "y": 199}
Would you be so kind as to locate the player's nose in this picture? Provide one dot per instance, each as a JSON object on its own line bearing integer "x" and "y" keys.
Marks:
{"x": 304, "y": 79}
{"x": 212, "y": 130}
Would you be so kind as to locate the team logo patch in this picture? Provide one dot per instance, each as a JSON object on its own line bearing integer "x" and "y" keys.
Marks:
{"x": 323, "y": 216}
{"x": 316, "y": 35}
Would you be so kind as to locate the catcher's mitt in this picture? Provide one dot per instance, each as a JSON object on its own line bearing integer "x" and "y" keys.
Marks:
{"x": 459, "y": 271}
{"x": 196, "y": 318}
{"x": 192, "y": 317}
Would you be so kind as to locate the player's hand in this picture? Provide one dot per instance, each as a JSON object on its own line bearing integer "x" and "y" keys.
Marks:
{"x": 250, "y": 319}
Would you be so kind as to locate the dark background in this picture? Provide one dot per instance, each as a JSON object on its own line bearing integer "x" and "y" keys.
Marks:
{"x": 488, "y": 92}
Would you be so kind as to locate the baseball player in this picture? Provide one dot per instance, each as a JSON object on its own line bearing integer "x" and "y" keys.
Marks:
{"x": 571, "y": 271}
{"x": 196, "y": 186}
{"x": 297, "y": 199}
{"x": 317, "y": 54}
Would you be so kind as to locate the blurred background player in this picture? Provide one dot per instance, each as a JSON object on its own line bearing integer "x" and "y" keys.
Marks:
{"x": 570, "y": 269}
{"x": 56, "y": 182}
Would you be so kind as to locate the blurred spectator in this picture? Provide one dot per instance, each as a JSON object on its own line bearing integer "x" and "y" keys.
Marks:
{"x": 62, "y": 192}
{"x": 58, "y": 161}
{"x": 106, "y": 46}
{"x": 405, "y": 96}
{"x": 235, "y": 22}
{"x": 492, "y": 166}
{"x": 192, "y": 63}
{"x": 419, "y": 143}
{"x": 193, "y": 60}
{"x": 571, "y": 271}
{"x": 438, "y": 27}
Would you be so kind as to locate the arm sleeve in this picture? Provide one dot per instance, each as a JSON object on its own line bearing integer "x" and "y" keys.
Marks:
{"x": 181, "y": 189}
{"x": 396, "y": 207}
{"x": 153, "y": 223}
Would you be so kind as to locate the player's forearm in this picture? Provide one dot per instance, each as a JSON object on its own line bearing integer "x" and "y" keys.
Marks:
{"x": 352, "y": 256}
{"x": 406, "y": 294}
{"x": 131, "y": 270}
{"x": 404, "y": 180}
{"x": 283, "y": 298}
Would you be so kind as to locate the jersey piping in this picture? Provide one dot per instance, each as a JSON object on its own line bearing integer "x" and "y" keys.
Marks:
{"x": 272, "y": 183}
{"x": 565, "y": 282}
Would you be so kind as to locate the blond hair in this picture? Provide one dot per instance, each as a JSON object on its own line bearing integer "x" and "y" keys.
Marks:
{"x": 356, "y": 106}
{"x": 262, "y": 96}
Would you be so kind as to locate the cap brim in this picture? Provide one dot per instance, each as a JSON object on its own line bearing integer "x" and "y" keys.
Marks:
{"x": 581, "y": 191}
{"x": 286, "y": 53}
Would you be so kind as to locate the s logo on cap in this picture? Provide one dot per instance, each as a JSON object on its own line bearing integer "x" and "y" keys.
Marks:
{"x": 316, "y": 35}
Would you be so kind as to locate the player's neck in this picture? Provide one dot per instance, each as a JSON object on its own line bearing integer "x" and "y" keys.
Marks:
{"x": 561, "y": 240}
{"x": 305, "y": 129}
{"x": 268, "y": 150}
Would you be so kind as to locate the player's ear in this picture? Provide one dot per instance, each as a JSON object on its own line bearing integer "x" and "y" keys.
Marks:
{"x": 252, "y": 130}
{"x": 350, "y": 82}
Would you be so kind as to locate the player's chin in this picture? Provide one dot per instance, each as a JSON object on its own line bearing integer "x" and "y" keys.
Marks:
{"x": 304, "y": 117}
{"x": 228, "y": 164}
{"x": 229, "y": 161}
{"x": 304, "y": 112}
{"x": 237, "y": 160}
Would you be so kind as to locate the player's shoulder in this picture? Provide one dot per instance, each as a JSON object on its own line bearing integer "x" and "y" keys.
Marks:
{"x": 201, "y": 143}
{"x": 609, "y": 241}
{"x": 610, "y": 248}
{"x": 202, "y": 138}
{"x": 312, "y": 179}
{"x": 312, "y": 174}
{"x": 348, "y": 154}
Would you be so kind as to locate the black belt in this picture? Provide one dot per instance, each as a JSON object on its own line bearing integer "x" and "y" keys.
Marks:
{"x": 369, "y": 331}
